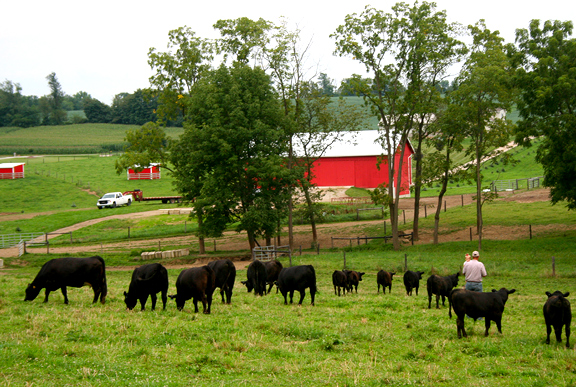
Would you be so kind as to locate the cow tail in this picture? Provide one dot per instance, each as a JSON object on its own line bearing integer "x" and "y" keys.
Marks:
{"x": 104, "y": 285}
{"x": 313, "y": 288}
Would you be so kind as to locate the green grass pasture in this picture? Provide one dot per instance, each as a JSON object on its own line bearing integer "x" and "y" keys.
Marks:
{"x": 64, "y": 182}
{"x": 364, "y": 339}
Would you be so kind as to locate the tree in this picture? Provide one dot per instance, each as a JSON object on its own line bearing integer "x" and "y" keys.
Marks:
{"x": 136, "y": 109}
{"x": 407, "y": 52}
{"x": 146, "y": 145}
{"x": 484, "y": 91}
{"x": 446, "y": 135}
{"x": 319, "y": 122}
{"x": 243, "y": 37}
{"x": 177, "y": 71}
{"x": 325, "y": 84}
{"x": 546, "y": 76}
{"x": 16, "y": 109}
{"x": 79, "y": 98}
{"x": 56, "y": 97}
{"x": 96, "y": 111}
{"x": 230, "y": 157}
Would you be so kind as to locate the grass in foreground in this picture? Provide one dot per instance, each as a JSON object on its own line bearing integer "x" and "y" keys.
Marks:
{"x": 365, "y": 339}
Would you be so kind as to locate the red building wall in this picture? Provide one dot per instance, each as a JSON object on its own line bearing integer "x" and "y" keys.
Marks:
{"x": 360, "y": 171}
{"x": 12, "y": 171}
{"x": 149, "y": 173}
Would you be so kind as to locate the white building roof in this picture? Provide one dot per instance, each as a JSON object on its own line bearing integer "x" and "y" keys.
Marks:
{"x": 10, "y": 165}
{"x": 359, "y": 143}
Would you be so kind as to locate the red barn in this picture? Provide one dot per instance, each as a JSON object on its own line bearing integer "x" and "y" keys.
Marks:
{"x": 150, "y": 172}
{"x": 351, "y": 162}
{"x": 12, "y": 170}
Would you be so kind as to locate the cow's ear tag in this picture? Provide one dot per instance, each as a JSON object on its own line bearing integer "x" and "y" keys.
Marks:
{"x": 33, "y": 287}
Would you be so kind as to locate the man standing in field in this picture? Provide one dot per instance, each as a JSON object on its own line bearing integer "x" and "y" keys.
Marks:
{"x": 474, "y": 270}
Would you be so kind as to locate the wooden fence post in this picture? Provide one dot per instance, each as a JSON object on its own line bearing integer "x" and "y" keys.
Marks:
{"x": 530, "y": 228}
{"x": 318, "y": 248}
{"x": 470, "y": 234}
{"x": 404, "y": 213}
{"x": 462, "y": 197}
{"x": 553, "y": 267}
{"x": 128, "y": 232}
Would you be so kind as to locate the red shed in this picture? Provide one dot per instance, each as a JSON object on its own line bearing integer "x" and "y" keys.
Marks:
{"x": 12, "y": 170}
{"x": 150, "y": 172}
{"x": 352, "y": 162}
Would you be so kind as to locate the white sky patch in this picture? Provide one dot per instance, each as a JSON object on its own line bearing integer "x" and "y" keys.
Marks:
{"x": 102, "y": 48}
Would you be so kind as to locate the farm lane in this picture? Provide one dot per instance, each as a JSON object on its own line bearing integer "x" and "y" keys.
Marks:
{"x": 233, "y": 241}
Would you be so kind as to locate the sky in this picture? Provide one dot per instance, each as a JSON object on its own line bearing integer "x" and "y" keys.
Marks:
{"x": 102, "y": 47}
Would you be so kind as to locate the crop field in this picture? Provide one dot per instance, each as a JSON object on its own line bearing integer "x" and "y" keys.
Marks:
{"x": 363, "y": 339}
{"x": 67, "y": 139}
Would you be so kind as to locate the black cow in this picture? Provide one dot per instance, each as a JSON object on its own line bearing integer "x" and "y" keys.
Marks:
{"x": 412, "y": 281}
{"x": 557, "y": 313}
{"x": 354, "y": 278}
{"x": 273, "y": 269}
{"x": 441, "y": 287}
{"x": 256, "y": 278}
{"x": 76, "y": 272}
{"x": 197, "y": 283}
{"x": 478, "y": 304}
{"x": 384, "y": 278}
{"x": 340, "y": 280}
{"x": 225, "y": 273}
{"x": 147, "y": 280}
{"x": 297, "y": 278}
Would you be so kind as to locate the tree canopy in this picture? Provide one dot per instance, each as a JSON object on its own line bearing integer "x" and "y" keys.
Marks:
{"x": 546, "y": 75}
{"x": 230, "y": 158}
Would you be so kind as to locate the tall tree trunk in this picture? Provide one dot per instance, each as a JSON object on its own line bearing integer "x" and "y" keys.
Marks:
{"x": 439, "y": 208}
{"x": 441, "y": 194}
{"x": 417, "y": 190}
{"x": 290, "y": 201}
{"x": 201, "y": 245}
{"x": 251, "y": 240}
{"x": 311, "y": 214}
{"x": 479, "y": 205}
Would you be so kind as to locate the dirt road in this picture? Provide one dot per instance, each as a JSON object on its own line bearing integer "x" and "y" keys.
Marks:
{"x": 233, "y": 241}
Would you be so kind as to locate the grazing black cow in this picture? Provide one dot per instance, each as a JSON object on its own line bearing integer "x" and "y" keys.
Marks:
{"x": 354, "y": 278}
{"x": 76, "y": 272}
{"x": 412, "y": 281}
{"x": 273, "y": 269}
{"x": 441, "y": 287}
{"x": 340, "y": 280}
{"x": 225, "y": 273}
{"x": 557, "y": 313}
{"x": 147, "y": 280}
{"x": 197, "y": 283}
{"x": 478, "y": 304}
{"x": 297, "y": 278}
{"x": 256, "y": 278}
{"x": 384, "y": 278}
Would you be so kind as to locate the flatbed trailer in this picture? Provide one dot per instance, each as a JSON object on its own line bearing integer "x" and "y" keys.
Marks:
{"x": 139, "y": 197}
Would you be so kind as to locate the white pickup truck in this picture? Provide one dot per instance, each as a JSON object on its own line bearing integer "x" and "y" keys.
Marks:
{"x": 114, "y": 199}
